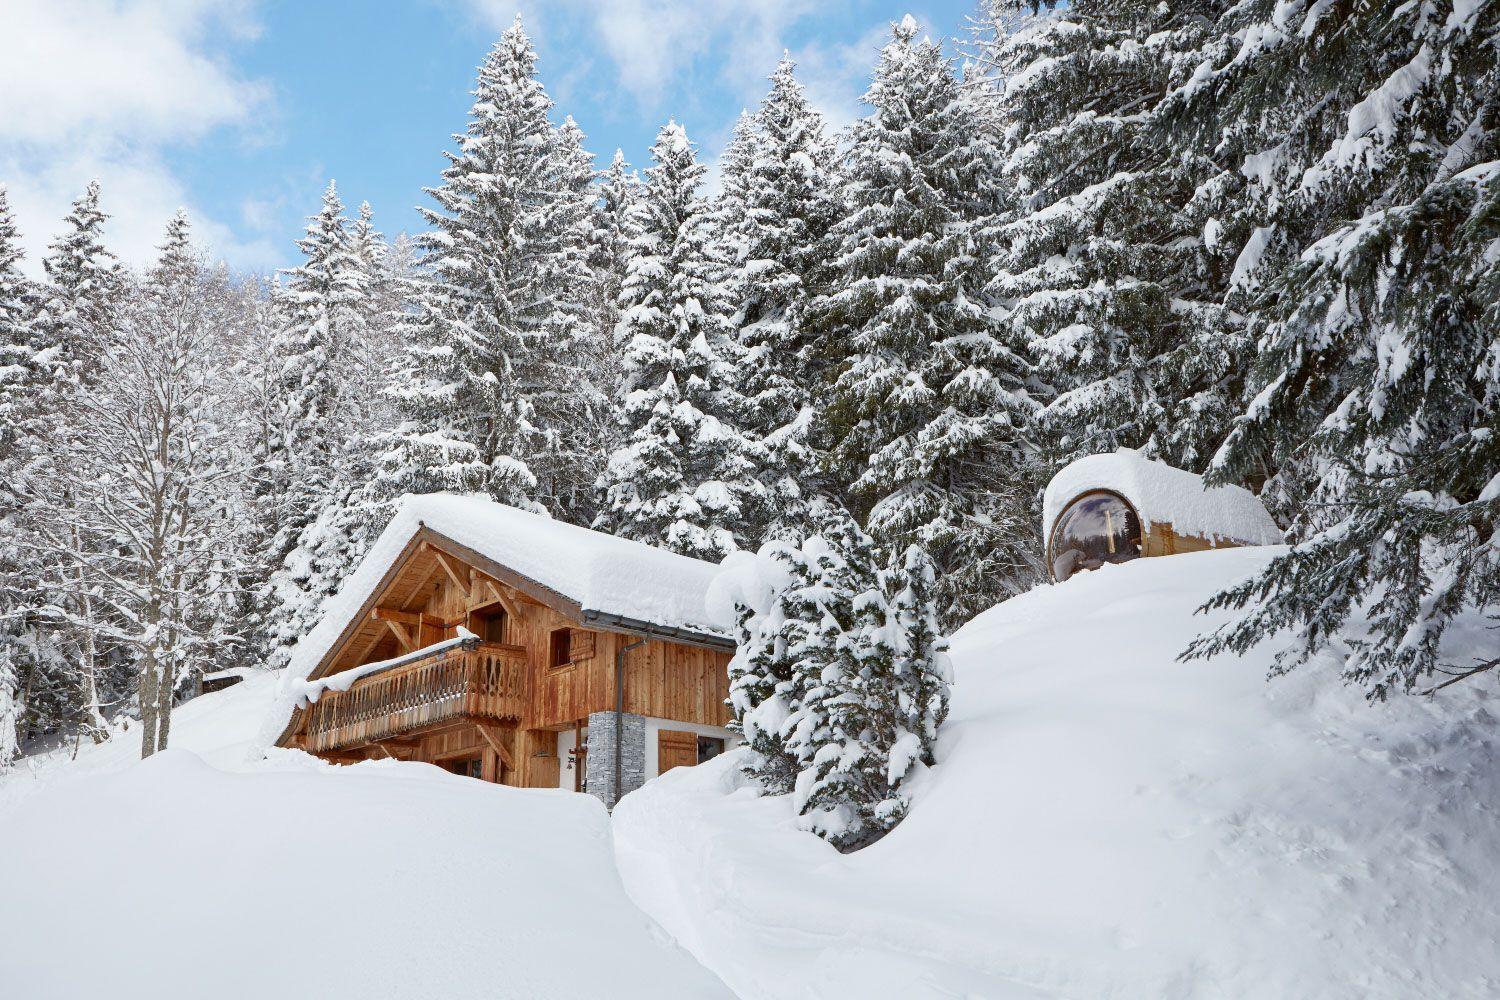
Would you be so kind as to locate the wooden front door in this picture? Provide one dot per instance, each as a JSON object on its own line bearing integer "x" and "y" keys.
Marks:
{"x": 675, "y": 748}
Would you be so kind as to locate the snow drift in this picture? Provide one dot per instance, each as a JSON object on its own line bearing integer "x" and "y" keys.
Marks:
{"x": 1107, "y": 822}
{"x": 172, "y": 878}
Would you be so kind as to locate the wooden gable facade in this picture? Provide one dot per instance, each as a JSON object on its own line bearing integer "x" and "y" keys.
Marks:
{"x": 493, "y": 706}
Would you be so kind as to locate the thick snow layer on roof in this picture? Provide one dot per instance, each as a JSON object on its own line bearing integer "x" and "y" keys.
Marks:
{"x": 1160, "y": 493}
{"x": 187, "y": 875}
{"x": 1105, "y": 821}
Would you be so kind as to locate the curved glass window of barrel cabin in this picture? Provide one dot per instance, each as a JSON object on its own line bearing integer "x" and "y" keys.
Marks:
{"x": 1098, "y": 527}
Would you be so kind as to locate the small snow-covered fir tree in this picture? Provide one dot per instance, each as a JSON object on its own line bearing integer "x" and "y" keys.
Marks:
{"x": 782, "y": 182}
{"x": 929, "y": 401}
{"x": 876, "y": 688}
{"x": 682, "y": 477}
{"x": 840, "y": 679}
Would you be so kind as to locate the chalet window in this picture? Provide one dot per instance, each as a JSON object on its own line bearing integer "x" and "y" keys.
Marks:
{"x": 471, "y": 767}
{"x": 492, "y": 627}
{"x": 709, "y": 747}
{"x": 1097, "y": 528}
{"x": 560, "y": 648}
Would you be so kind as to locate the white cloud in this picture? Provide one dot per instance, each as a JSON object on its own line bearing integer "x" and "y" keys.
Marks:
{"x": 98, "y": 89}
{"x": 653, "y": 44}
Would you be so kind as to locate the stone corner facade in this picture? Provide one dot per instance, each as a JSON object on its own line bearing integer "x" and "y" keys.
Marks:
{"x": 600, "y": 779}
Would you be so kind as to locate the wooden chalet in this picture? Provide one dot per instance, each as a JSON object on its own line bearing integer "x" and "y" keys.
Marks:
{"x": 506, "y": 646}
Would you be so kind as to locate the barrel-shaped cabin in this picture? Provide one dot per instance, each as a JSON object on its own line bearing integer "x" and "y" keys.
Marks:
{"x": 1115, "y": 507}
{"x": 511, "y": 647}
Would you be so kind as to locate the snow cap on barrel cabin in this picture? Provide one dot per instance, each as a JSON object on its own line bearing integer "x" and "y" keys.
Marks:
{"x": 1120, "y": 506}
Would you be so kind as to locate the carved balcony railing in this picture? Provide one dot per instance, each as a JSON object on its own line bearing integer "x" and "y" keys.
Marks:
{"x": 485, "y": 681}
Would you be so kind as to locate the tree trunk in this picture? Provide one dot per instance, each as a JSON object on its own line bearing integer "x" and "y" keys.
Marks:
{"x": 94, "y": 721}
{"x": 149, "y": 686}
{"x": 164, "y": 704}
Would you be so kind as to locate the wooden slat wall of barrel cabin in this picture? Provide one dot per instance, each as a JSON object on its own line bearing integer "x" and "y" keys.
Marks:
{"x": 1164, "y": 540}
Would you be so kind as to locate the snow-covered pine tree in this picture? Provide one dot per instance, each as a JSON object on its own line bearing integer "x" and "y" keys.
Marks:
{"x": 615, "y": 228}
{"x": 322, "y": 299}
{"x": 927, "y": 406}
{"x": 323, "y": 347}
{"x": 573, "y": 412}
{"x": 144, "y": 532}
{"x": 16, "y": 387}
{"x": 782, "y": 179}
{"x": 84, "y": 284}
{"x": 840, "y": 678}
{"x": 17, "y": 307}
{"x": 873, "y": 682}
{"x": 70, "y": 334}
{"x": 1368, "y": 140}
{"x": 1106, "y": 240}
{"x": 682, "y": 477}
{"x": 504, "y": 305}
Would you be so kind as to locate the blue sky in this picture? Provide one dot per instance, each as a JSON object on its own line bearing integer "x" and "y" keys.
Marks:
{"x": 241, "y": 110}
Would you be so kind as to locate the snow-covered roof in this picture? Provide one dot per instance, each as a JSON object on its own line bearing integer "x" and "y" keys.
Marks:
{"x": 608, "y": 576}
{"x": 1161, "y": 494}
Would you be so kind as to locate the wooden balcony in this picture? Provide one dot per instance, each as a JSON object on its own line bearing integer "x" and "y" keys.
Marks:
{"x": 485, "y": 682}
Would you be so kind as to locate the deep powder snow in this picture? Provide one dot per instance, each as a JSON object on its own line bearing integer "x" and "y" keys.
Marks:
{"x": 1105, "y": 821}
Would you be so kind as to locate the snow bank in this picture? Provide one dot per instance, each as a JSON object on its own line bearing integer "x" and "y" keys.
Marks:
{"x": 223, "y": 728}
{"x": 174, "y": 879}
{"x": 613, "y": 576}
{"x": 1106, "y": 821}
{"x": 1161, "y": 493}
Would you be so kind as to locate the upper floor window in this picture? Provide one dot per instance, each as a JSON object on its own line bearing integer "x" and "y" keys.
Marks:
{"x": 561, "y": 647}
{"x": 492, "y": 627}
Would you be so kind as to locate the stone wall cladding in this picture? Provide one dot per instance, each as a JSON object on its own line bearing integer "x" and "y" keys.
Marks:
{"x": 600, "y": 780}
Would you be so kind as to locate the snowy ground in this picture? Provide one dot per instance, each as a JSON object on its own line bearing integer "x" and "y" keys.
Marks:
{"x": 1107, "y": 822}
{"x": 191, "y": 875}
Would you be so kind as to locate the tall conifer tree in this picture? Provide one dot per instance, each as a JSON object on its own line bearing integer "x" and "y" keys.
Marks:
{"x": 682, "y": 477}
{"x": 784, "y": 183}
{"x": 928, "y": 404}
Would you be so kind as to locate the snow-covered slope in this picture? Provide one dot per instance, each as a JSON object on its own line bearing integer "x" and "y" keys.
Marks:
{"x": 174, "y": 878}
{"x": 1108, "y": 822}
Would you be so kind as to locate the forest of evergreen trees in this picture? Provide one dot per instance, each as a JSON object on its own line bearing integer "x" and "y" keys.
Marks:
{"x": 1258, "y": 240}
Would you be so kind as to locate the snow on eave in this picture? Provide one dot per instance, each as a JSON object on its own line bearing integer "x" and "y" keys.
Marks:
{"x": 1162, "y": 494}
